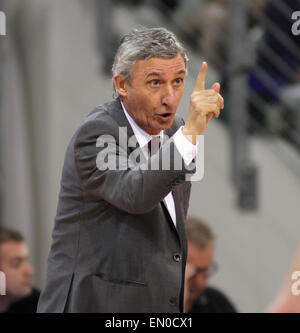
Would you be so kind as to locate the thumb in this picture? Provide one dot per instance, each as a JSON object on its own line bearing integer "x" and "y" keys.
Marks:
{"x": 216, "y": 87}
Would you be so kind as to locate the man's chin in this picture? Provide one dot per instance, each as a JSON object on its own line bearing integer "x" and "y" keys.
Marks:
{"x": 166, "y": 124}
{"x": 20, "y": 294}
{"x": 194, "y": 295}
{"x": 26, "y": 291}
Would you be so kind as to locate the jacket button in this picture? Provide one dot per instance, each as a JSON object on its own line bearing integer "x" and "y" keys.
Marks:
{"x": 172, "y": 300}
{"x": 177, "y": 257}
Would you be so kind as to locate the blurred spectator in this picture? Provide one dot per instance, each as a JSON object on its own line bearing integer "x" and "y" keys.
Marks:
{"x": 278, "y": 52}
{"x": 278, "y": 58}
{"x": 20, "y": 296}
{"x": 207, "y": 21}
{"x": 200, "y": 266}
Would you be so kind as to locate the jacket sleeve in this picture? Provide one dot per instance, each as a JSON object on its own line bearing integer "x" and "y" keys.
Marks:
{"x": 108, "y": 171}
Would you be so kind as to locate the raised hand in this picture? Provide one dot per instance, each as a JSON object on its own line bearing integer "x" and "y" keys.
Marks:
{"x": 204, "y": 103}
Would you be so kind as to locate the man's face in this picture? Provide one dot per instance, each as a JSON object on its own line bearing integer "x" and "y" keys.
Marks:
{"x": 201, "y": 260}
{"x": 18, "y": 272}
{"x": 154, "y": 92}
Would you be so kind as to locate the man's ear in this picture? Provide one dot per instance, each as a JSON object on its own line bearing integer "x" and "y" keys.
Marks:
{"x": 120, "y": 85}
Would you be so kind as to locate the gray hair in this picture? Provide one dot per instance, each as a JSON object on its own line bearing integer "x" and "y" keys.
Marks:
{"x": 144, "y": 43}
{"x": 199, "y": 233}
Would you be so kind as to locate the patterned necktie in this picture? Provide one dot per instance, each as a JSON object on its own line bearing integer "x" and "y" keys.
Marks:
{"x": 154, "y": 145}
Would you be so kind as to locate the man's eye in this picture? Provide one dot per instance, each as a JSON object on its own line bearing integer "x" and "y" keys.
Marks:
{"x": 178, "y": 81}
{"x": 16, "y": 264}
{"x": 154, "y": 83}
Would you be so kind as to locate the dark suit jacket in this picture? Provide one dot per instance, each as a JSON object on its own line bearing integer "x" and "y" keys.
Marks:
{"x": 115, "y": 247}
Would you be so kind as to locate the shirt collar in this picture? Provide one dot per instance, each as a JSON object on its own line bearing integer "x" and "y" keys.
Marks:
{"x": 142, "y": 137}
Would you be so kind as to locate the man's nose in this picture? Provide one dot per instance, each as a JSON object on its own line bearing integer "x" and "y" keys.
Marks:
{"x": 168, "y": 97}
{"x": 29, "y": 270}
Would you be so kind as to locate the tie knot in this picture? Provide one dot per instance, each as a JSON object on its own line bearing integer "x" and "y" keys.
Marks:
{"x": 154, "y": 145}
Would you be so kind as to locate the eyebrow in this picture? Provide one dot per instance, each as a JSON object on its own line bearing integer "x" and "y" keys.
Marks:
{"x": 182, "y": 71}
{"x": 13, "y": 259}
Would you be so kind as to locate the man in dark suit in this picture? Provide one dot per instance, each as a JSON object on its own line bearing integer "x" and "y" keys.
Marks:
{"x": 119, "y": 242}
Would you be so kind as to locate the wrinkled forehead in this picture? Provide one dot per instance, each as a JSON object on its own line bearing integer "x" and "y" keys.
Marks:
{"x": 160, "y": 66}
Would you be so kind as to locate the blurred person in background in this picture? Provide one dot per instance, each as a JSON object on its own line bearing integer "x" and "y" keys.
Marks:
{"x": 206, "y": 20}
{"x": 279, "y": 48}
{"x": 275, "y": 77}
{"x": 20, "y": 296}
{"x": 200, "y": 266}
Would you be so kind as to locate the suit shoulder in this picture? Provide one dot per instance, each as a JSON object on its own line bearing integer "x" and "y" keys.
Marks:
{"x": 98, "y": 122}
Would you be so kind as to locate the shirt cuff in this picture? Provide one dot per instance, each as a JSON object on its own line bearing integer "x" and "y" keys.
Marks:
{"x": 187, "y": 150}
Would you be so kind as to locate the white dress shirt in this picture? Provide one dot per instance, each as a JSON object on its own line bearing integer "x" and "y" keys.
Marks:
{"x": 186, "y": 149}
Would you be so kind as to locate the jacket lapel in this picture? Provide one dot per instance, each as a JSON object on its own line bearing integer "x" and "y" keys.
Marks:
{"x": 179, "y": 222}
{"x": 179, "y": 229}
{"x": 116, "y": 111}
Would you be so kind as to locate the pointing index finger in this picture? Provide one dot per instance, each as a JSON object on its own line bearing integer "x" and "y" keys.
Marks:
{"x": 200, "y": 83}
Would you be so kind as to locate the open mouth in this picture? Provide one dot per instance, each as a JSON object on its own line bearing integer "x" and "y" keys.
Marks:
{"x": 166, "y": 116}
